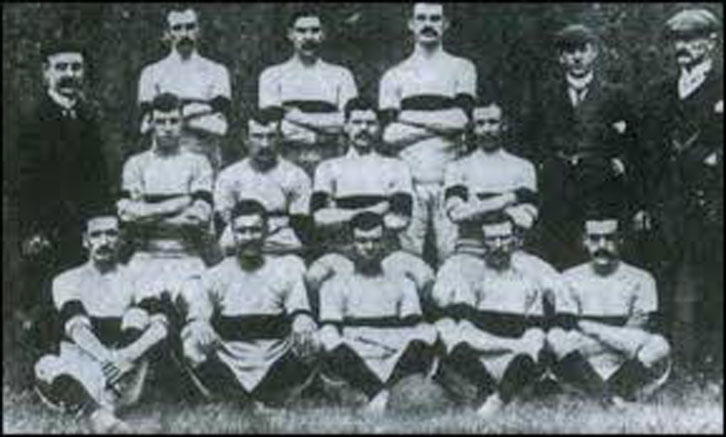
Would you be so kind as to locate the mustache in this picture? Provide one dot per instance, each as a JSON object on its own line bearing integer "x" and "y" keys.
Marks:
{"x": 185, "y": 41}
{"x": 603, "y": 253}
{"x": 429, "y": 31}
{"x": 683, "y": 52}
{"x": 69, "y": 82}
{"x": 307, "y": 45}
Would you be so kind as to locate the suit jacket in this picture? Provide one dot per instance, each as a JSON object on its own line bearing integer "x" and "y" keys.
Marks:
{"x": 61, "y": 170}
{"x": 684, "y": 144}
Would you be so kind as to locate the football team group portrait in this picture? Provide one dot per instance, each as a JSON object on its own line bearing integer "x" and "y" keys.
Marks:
{"x": 373, "y": 210}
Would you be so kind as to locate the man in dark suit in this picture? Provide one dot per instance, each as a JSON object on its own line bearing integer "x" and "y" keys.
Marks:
{"x": 683, "y": 135}
{"x": 61, "y": 174}
{"x": 580, "y": 128}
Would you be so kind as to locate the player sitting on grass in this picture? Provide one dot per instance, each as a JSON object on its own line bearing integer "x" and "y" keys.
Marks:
{"x": 373, "y": 333}
{"x": 249, "y": 333}
{"x": 103, "y": 361}
{"x": 605, "y": 341}
{"x": 489, "y": 315}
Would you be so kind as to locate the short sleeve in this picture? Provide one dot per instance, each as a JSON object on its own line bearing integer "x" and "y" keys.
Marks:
{"x": 646, "y": 296}
{"x": 410, "y": 304}
{"x": 299, "y": 193}
{"x": 403, "y": 182}
{"x": 347, "y": 90}
{"x": 332, "y": 304}
{"x": 224, "y": 197}
{"x": 63, "y": 291}
{"x": 453, "y": 175}
{"x": 203, "y": 178}
{"x": 132, "y": 180}
{"x": 529, "y": 177}
{"x": 567, "y": 300}
{"x": 296, "y": 296}
{"x": 452, "y": 285}
{"x": 324, "y": 179}
{"x": 221, "y": 85}
{"x": 389, "y": 92}
{"x": 269, "y": 89}
{"x": 466, "y": 80}
{"x": 202, "y": 294}
{"x": 146, "y": 90}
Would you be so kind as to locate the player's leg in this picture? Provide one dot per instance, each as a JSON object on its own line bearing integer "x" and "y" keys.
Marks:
{"x": 647, "y": 371}
{"x": 464, "y": 377}
{"x": 284, "y": 381}
{"x": 570, "y": 349}
{"x": 344, "y": 363}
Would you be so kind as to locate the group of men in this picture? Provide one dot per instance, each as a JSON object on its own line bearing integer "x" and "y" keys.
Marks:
{"x": 303, "y": 264}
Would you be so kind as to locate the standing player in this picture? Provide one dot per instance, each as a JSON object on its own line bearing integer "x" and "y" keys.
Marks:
{"x": 360, "y": 180}
{"x": 605, "y": 342}
{"x": 489, "y": 179}
{"x": 310, "y": 92}
{"x": 61, "y": 174}
{"x": 372, "y": 330}
{"x": 202, "y": 84}
{"x": 684, "y": 132}
{"x": 250, "y": 334}
{"x": 426, "y": 97}
{"x": 582, "y": 126}
{"x": 489, "y": 317}
{"x": 167, "y": 203}
{"x": 278, "y": 184}
{"x": 109, "y": 330}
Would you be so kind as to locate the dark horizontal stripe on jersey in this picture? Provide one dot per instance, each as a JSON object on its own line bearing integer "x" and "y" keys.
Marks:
{"x": 319, "y": 106}
{"x": 525, "y": 195}
{"x": 427, "y": 102}
{"x": 251, "y": 327}
{"x": 362, "y": 201}
{"x": 387, "y": 116}
{"x": 484, "y": 195}
{"x": 465, "y": 102}
{"x": 382, "y": 322}
{"x": 607, "y": 320}
{"x": 501, "y": 324}
{"x": 319, "y": 200}
{"x": 107, "y": 329}
{"x": 565, "y": 321}
{"x": 402, "y": 203}
{"x": 158, "y": 198}
{"x": 71, "y": 309}
{"x": 203, "y": 195}
{"x": 220, "y": 104}
{"x": 459, "y": 191}
{"x": 277, "y": 213}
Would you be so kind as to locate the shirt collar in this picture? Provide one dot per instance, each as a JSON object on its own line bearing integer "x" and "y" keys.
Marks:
{"x": 689, "y": 81}
{"x": 579, "y": 83}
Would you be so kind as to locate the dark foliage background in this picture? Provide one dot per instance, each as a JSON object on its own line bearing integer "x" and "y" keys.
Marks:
{"x": 509, "y": 43}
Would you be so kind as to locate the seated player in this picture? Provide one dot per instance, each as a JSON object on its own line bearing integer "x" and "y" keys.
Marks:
{"x": 278, "y": 184}
{"x": 488, "y": 179}
{"x": 166, "y": 200}
{"x": 360, "y": 180}
{"x": 372, "y": 329}
{"x": 605, "y": 342}
{"x": 103, "y": 360}
{"x": 489, "y": 318}
{"x": 250, "y": 333}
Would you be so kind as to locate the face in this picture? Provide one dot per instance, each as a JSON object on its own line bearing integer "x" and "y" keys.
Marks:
{"x": 64, "y": 73}
{"x": 362, "y": 129}
{"x": 263, "y": 141}
{"x": 183, "y": 31}
{"x": 249, "y": 232}
{"x": 306, "y": 36}
{"x": 499, "y": 243}
{"x": 428, "y": 23}
{"x": 691, "y": 51}
{"x": 167, "y": 128}
{"x": 368, "y": 245}
{"x": 579, "y": 60}
{"x": 102, "y": 239}
{"x": 488, "y": 127}
{"x": 601, "y": 241}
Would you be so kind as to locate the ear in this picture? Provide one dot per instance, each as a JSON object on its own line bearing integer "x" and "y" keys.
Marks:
{"x": 86, "y": 242}
{"x": 290, "y": 33}
{"x": 411, "y": 24}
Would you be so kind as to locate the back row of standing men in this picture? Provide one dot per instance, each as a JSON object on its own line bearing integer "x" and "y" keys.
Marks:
{"x": 589, "y": 149}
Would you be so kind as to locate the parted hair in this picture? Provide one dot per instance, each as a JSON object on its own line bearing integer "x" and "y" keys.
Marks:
{"x": 365, "y": 221}
{"x": 358, "y": 104}
{"x": 166, "y": 102}
{"x": 248, "y": 207}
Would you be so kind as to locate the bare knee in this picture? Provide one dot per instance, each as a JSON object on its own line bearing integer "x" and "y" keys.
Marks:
{"x": 654, "y": 350}
{"x": 559, "y": 342}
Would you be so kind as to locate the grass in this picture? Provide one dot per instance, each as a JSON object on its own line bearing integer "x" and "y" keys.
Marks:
{"x": 679, "y": 408}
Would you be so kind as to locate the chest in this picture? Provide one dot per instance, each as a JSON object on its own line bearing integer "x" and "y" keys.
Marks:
{"x": 186, "y": 81}
{"x": 603, "y": 297}
{"x": 272, "y": 190}
{"x": 493, "y": 176}
{"x": 505, "y": 293}
{"x": 363, "y": 176}
{"x": 310, "y": 84}
{"x": 419, "y": 78}
{"x": 373, "y": 297}
{"x": 172, "y": 175}
{"x": 251, "y": 294}
{"x": 105, "y": 296}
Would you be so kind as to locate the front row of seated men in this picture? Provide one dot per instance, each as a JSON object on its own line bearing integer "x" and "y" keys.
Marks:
{"x": 498, "y": 319}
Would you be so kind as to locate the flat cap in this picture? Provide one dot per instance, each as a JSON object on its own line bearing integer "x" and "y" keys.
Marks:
{"x": 692, "y": 22}
{"x": 574, "y": 34}
{"x": 55, "y": 46}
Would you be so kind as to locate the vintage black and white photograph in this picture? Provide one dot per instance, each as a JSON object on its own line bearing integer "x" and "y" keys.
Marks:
{"x": 362, "y": 218}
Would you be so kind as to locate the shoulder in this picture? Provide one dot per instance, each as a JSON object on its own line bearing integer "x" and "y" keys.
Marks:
{"x": 578, "y": 272}
{"x": 533, "y": 262}
{"x": 336, "y": 69}
{"x": 138, "y": 159}
{"x": 462, "y": 263}
{"x": 153, "y": 67}
{"x": 195, "y": 159}
{"x": 290, "y": 264}
{"x": 212, "y": 65}
{"x": 234, "y": 170}
{"x": 274, "y": 71}
{"x": 293, "y": 171}
{"x": 518, "y": 160}
{"x": 394, "y": 71}
{"x": 637, "y": 274}
{"x": 333, "y": 261}
{"x": 459, "y": 62}
{"x": 71, "y": 277}
{"x": 401, "y": 259}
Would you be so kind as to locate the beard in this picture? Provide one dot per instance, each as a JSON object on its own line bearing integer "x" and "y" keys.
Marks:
{"x": 185, "y": 45}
